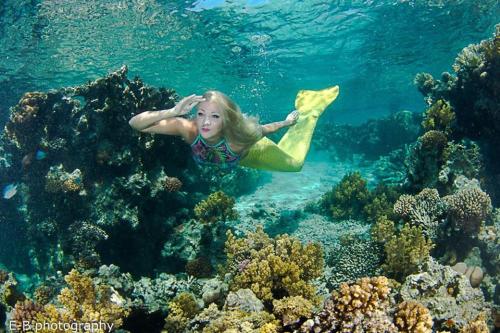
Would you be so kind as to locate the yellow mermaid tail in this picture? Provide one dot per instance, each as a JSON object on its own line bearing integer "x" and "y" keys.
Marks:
{"x": 289, "y": 154}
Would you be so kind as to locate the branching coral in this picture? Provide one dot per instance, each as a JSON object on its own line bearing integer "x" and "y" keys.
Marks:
{"x": 351, "y": 308}
{"x": 83, "y": 302}
{"x": 477, "y": 325}
{"x": 274, "y": 268}
{"x": 468, "y": 208}
{"x": 347, "y": 199}
{"x": 383, "y": 230}
{"x": 217, "y": 207}
{"x": 406, "y": 252}
{"x": 292, "y": 309}
{"x": 439, "y": 116}
{"x": 181, "y": 310}
{"x": 423, "y": 209}
{"x": 462, "y": 159}
{"x": 58, "y": 180}
{"x": 413, "y": 317}
{"x": 211, "y": 320}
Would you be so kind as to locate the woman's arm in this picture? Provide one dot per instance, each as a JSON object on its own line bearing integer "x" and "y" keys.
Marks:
{"x": 291, "y": 119}
{"x": 147, "y": 119}
{"x": 168, "y": 121}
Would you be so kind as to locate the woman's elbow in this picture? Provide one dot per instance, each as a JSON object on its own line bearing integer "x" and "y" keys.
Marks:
{"x": 134, "y": 124}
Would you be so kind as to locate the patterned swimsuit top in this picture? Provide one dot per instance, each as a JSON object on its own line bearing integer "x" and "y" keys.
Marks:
{"x": 219, "y": 154}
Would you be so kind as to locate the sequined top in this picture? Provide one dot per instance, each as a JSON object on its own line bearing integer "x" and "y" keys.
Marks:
{"x": 219, "y": 154}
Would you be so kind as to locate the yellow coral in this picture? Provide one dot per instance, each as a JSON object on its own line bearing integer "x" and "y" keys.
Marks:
{"x": 413, "y": 317}
{"x": 477, "y": 325}
{"x": 239, "y": 321}
{"x": 406, "y": 251}
{"x": 352, "y": 303}
{"x": 82, "y": 302}
{"x": 291, "y": 309}
{"x": 217, "y": 207}
{"x": 181, "y": 310}
{"x": 439, "y": 116}
{"x": 274, "y": 268}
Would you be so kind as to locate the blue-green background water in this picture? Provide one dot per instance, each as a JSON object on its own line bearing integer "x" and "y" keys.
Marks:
{"x": 259, "y": 52}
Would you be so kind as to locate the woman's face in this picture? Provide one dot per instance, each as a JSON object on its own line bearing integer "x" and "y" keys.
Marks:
{"x": 209, "y": 121}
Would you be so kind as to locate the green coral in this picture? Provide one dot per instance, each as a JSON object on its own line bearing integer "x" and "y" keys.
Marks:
{"x": 347, "y": 199}
{"x": 381, "y": 202}
{"x": 406, "y": 252}
{"x": 217, "y": 207}
{"x": 439, "y": 116}
{"x": 352, "y": 199}
{"x": 274, "y": 268}
{"x": 181, "y": 310}
{"x": 383, "y": 230}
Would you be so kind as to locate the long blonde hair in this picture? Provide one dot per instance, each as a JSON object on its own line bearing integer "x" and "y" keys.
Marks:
{"x": 237, "y": 128}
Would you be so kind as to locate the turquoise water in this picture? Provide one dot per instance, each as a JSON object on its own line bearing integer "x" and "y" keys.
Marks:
{"x": 258, "y": 52}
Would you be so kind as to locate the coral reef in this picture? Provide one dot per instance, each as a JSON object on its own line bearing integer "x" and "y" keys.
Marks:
{"x": 81, "y": 303}
{"x": 24, "y": 312}
{"x": 472, "y": 93}
{"x": 212, "y": 320}
{"x": 447, "y": 294}
{"x": 354, "y": 307}
{"x": 382, "y": 230}
{"x": 217, "y": 207}
{"x": 406, "y": 252}
{"x": 58, "y": 180}
{"x": 71, "y": 167}
{"x": 489, "y": 242}
{"x": 199, "y": 267}
{"x": 273, "y": 268}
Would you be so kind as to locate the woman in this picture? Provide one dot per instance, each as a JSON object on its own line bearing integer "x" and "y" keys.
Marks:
{"x": 220, "y": 134}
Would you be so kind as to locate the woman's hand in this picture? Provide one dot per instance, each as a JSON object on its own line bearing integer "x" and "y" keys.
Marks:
{"x": 186, "y": 104}
{"x": 292, "y": 118}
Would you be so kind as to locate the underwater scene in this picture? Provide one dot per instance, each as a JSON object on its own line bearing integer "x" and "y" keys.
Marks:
{"x": 252, "y": 166}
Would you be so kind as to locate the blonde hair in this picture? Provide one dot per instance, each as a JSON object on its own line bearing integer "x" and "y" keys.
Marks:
{"x": 237, "y": 128}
